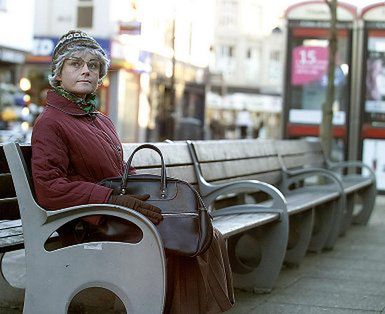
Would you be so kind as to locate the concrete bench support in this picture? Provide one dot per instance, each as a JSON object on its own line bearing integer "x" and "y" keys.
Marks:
{"x": 10, "y": 296}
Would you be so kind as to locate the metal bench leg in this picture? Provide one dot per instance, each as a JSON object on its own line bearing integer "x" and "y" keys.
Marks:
{"x": 9, "y": 296}
{"x": 256, "y": 256}
{"x": 339, "y": 208}
{"x": 323, "y": 220}
{"x": 348, "y": 214}
{"x": 300, "y": 232}
{"x": 368, "y": 198}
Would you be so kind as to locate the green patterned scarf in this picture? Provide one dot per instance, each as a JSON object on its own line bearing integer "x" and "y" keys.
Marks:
{"x": 88, "y": 104}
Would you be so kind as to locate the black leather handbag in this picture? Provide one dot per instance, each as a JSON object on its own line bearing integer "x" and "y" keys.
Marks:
{"x": 186, "y": 227}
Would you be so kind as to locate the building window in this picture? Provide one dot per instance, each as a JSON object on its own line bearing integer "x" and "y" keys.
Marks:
{"x": 227, "y": 51}
{"x": 227, "y": 13}
{"x": 85, "y": 14}
{"x": 231, "y": 51}
{"x": 249, "y": 53}
{"x": 274, "y": 55}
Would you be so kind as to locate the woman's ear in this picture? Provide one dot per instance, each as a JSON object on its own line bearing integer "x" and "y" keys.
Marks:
{"x": 58, "y": 77}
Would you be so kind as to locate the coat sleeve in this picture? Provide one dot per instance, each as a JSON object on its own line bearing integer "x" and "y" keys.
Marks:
{"x": 50, "y": 168}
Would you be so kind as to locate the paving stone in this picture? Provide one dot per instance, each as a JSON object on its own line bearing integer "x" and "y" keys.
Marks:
{"x": 278, "y": 308}
{"x": 324, "y": 271}
{"x": 354, "y": 286}
{"x": 362, "y": 301}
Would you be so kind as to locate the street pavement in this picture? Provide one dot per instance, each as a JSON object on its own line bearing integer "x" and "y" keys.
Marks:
{"x": 348, "y": 279}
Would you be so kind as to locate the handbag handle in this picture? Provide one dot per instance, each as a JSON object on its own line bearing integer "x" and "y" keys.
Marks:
{"x": 163, "y": 175}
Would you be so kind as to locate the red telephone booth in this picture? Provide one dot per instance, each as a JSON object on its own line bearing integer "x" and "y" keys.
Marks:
{"x": 306, "y": 67}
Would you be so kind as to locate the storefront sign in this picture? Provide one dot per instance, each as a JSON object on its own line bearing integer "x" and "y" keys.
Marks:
{"x": 12, "y": 56}
{"x": 44, "y": 46}
{"x": 309, "y": 64}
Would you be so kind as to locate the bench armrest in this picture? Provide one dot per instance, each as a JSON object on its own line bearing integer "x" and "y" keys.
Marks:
{"x": 246, "y": 209}
{"x": 296, "y": 175}
{"x": 351, "y": 164}
{"x": 211, "y": 192}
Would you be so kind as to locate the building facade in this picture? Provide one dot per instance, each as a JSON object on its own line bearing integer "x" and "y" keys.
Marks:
{"x": 156, "y": 70}
{"x": 247, "y": 57}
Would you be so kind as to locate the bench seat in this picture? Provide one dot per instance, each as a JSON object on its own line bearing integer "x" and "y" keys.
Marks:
{"x": 353, "y": 183}
{"x": 11, "y": 235}
{"x": 306, "y": 198}
{"x": 230, "y": 225}
{"x": 357, "y": 179}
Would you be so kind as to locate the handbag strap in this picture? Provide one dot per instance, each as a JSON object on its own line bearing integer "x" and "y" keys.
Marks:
{"x": 163, "y": 175}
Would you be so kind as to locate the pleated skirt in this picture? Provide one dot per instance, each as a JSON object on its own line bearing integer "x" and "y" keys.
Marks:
{"x": 202, "y": 284}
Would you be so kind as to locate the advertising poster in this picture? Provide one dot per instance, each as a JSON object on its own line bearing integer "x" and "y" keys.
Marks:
{"x": 309, "y": 64}
{"x": 373, "y": 155}
{"x": 309, "y": 85}
{"x": 375, "y": 82}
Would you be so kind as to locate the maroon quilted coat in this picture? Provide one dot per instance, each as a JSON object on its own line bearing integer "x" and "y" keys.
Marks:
{"x": 71, "y": 151}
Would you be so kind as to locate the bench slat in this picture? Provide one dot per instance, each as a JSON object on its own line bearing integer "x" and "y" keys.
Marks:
{"x": 272, "y": 177}
{"x": 236, "y": 168}
{"x": 8, "y": 200}
{"x": 174, "y": 154}
{"x": 354, "y": 183}
{"x": 11, "y": 243}
{"x": 185, "y": 173}
{"x": 4, "y": 224}
{"x": 9, "y": 232}
{"x": 208, "y": 151}
{"x": 305, "y": 198}
{"x": 233, "y": 224}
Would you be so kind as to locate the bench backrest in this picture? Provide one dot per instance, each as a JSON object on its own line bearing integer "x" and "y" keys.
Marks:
{"x": 224, "y": 161}
{"x": 9, "y": 208}
{"x": 296, "y": 154}
{"x": 176, "y": 157}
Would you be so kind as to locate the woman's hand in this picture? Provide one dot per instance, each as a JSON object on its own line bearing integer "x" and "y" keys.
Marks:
{"x": 136, "y": 202}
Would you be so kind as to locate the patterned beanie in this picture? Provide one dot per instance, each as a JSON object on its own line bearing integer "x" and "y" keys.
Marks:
{"x": 75, "y": 38}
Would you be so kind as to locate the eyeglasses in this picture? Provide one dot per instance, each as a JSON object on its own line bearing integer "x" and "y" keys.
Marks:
{"x": 78, "y": 63}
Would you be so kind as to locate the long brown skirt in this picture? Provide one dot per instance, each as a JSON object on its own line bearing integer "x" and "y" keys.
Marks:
{"x": 202, "y": 284}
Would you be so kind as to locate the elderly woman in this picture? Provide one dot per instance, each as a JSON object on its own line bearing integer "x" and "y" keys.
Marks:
{"x": 74, "y": 146}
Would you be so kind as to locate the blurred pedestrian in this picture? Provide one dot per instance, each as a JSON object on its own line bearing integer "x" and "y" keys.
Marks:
{"x": 243, "y": 122}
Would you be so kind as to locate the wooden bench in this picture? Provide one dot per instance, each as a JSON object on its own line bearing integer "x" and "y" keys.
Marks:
{"x": 260, "y": 265}
{"x": 226, "y": 161}
{"x": 55, "y": 274}
{"x": 257, "y": 234}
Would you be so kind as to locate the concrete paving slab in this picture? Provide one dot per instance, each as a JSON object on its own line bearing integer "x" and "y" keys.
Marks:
{"x": 335, "y": 286}
{"x": 342, "y": 300}
{"x": 280, "y": 308}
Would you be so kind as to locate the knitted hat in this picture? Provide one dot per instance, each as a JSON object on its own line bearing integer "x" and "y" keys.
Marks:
{"x": 75, "y": 38}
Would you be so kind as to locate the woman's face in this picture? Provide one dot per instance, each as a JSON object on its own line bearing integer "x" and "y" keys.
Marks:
{"x": 80, "y": 74}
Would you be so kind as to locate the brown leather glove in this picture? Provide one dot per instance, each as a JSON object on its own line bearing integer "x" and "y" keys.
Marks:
{"x": 136, "y": 202}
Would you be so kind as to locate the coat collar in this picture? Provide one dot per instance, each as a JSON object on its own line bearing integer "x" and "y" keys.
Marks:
{"x": 63, "y": 104}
